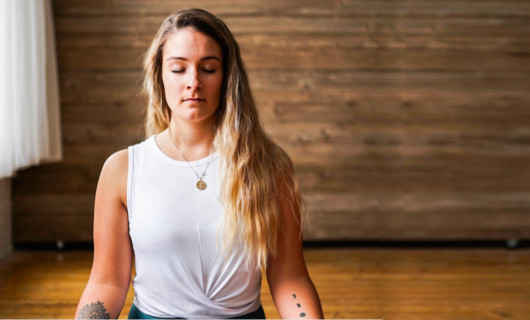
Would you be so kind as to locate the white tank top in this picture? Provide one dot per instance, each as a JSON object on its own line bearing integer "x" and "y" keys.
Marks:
{"x": 180, "y": 270}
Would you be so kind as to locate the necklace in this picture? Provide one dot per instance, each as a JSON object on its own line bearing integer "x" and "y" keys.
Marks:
{"x": 201, "y": 185}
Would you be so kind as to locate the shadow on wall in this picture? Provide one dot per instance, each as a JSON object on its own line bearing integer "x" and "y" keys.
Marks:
{"x": 5, "y": 217}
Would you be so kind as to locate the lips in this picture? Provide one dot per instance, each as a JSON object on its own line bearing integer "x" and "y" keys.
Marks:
{"x": 195, "y": 99}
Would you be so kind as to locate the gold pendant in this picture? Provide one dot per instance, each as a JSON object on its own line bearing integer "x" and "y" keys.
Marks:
{"x": 201, "y": 185}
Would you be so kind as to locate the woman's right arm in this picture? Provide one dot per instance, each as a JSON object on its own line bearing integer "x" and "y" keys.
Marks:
{"x": 107, "y": 287}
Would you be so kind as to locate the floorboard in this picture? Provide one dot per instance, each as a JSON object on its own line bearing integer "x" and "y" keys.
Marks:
{"x": 353, "y": 283}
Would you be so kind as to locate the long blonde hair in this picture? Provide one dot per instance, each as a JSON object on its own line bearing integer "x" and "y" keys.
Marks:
{"x": 255, "y": 172}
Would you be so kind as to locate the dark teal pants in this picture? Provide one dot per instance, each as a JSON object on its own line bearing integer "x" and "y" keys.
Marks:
{"x": 135, "y": 313}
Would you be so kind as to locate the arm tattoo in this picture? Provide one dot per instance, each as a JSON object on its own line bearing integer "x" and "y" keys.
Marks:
{"x": 95, "y": 310}
{"x": 302, "y": 314}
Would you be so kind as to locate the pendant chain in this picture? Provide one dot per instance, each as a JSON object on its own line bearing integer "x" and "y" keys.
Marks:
{"x": 201, "y": 185}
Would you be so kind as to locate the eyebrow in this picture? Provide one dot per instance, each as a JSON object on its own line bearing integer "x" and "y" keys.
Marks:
{"x": 202, "y": 59}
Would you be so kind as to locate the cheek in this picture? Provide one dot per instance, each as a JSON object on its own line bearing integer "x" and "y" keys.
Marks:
{"x": 168, "y": 81}
{"x": 216, "y": 86}
{"x": 171, "y": 85}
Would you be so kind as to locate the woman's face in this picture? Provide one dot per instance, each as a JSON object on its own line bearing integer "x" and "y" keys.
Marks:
{"x": 192, "y": 73}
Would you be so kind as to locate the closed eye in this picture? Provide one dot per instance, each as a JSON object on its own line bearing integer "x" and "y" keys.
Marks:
{"x": 205, "y": 70}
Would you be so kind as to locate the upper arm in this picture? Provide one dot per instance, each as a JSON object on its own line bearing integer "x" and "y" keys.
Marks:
{"x": 288, "y": 262}
{"x": 112, "y": 246}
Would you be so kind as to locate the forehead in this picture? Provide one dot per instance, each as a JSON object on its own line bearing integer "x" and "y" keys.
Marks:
{"x": 190, "y": 44}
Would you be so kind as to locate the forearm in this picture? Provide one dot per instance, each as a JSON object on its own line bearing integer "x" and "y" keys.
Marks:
{"x": 101, "y": 301}
{"x": 298, "y": 299}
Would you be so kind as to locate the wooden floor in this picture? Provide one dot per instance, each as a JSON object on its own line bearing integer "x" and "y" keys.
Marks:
{"x": 355, "y": 283}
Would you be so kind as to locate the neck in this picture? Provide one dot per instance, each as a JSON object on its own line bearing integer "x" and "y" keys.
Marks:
{"x": 194, "y": 140}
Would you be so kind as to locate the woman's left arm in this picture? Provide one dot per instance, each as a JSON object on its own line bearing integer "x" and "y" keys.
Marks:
{"x": 292, "y": 290}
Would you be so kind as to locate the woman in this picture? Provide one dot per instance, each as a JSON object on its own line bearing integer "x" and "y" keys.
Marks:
{"x": 206, "y": 202}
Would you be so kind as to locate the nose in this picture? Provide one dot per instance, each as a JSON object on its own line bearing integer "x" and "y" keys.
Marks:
{"x": 193, "y": 80}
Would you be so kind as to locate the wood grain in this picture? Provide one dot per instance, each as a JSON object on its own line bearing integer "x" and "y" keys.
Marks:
{"x": 404, "y": 119}
{"x": 353, "y": 283}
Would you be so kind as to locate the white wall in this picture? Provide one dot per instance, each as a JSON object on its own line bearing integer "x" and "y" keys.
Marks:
{"x": 5, "y": 217}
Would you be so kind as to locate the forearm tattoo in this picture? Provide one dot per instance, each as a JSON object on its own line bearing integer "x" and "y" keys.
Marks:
{"x": 95, "y": 310}
{"x": 302, "y": 314}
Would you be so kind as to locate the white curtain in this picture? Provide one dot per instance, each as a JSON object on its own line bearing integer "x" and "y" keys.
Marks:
{"x": 30, "y": 130}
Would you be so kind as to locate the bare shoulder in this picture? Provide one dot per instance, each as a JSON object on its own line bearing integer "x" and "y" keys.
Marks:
{"x": 113, "y": 178}
{"x": 118, "y": 159}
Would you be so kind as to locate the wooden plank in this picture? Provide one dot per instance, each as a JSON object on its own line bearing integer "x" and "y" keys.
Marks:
{"x": 440, "y": 30}
{"x": 379, "y": 222}
{"x": 111, "y": 114}
{"x": 426, "y": 226}
{"x": 297, "y": 52}
{"x": 289, "y": 85}
{"x": 67, "y": 205}
{"x": 238, "y": 25}
{"x": 351, "y": 8}
{"x": 58, "y": 178}
{"x": 6, "y": 210}
{"x": 66, "y": 227}
{"x": 440, "y": 84}
{"x": 485, "y": 175}
{"x": 395, "y": 41}
{"x": 419, "y": 202}
{"x": 100, "y": 80}
{"x": 94, "y": 133}
{"x": 165, "y": 7}
{"x": 284, "y": 83}
{"x": 404, "y": 109}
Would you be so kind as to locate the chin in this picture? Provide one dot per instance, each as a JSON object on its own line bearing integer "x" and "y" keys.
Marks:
{"x": 195, "y": 118}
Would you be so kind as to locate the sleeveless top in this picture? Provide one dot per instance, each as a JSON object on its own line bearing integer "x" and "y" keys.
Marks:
{"x": 181, "y": 270}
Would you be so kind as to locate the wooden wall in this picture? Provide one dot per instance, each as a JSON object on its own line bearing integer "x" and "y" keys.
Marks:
{"x": 6, "y": 243}
{"x": 406, "y": 120}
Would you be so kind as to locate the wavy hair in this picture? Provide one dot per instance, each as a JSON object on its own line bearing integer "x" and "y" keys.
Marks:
{"x": 255, "y": 172}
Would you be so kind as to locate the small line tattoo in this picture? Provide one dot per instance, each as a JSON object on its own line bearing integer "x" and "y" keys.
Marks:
{"x": 302, "y": 314}
{"x": 298, "y": 305}
{"x": 294, "y": 296}
{"x": 95, "y": 310}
